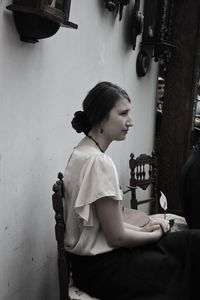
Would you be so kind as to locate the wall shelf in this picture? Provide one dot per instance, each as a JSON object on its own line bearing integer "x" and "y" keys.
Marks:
{"x": 38, "y": 19}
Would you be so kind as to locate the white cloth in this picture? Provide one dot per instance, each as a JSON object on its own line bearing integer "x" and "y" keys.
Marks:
{"x": 89, "y": 176}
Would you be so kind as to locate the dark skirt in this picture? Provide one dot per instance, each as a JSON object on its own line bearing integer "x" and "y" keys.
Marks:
{"x": 166, "y": 270}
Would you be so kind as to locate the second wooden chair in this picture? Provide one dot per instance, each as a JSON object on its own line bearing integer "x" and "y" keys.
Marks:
{"x": 144, "y": 174}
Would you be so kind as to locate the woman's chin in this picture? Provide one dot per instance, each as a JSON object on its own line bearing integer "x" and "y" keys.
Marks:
{"x": 121, "y": 138}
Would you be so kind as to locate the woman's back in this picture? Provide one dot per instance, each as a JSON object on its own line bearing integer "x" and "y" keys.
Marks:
{"x": 89, "y": 175}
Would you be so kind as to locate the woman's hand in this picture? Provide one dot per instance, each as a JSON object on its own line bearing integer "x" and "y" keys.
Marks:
{"x": 157, "y": 224}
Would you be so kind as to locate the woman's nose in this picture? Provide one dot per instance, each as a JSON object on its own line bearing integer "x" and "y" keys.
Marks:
{"x": 129, "y": 122}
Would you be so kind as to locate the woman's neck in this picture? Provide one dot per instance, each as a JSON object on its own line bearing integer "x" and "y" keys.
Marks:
{"x": 99, "y": 139}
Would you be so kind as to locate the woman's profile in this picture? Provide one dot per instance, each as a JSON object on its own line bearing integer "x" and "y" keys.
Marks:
{"x": 111, "y": 259}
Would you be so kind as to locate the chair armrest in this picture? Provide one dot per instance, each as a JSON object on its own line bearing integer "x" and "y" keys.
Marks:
{"x": 130, "y": 188}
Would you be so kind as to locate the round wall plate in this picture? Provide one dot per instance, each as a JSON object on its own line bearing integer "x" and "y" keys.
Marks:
{"x": 142, "y": 63}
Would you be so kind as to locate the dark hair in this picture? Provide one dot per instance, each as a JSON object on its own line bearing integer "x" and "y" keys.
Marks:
{"x": 96, "y": 106}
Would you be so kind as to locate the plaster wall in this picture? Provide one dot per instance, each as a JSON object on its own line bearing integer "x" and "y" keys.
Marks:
{"x": 41, "y": 86}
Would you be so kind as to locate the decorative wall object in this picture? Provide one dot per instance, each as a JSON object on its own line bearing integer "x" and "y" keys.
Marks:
{"x": 138, "y": 20}
{"x": 157, "y": 33}
{"x": 116, "y": 6}
{"x": 142, "y": 63}
{"x": 38, "y": 19}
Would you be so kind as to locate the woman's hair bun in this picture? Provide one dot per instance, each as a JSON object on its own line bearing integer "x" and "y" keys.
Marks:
{"x": 80, "y": 123}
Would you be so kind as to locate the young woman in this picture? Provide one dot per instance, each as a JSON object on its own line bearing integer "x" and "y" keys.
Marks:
{"x": 111, "y": 259}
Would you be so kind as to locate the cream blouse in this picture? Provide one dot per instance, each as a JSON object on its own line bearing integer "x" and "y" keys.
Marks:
{"x": 89, "y": 175}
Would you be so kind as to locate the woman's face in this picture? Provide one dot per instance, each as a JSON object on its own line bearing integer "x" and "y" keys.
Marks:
{"x": 160, "y": 90}
{"x": 118, "y": 122}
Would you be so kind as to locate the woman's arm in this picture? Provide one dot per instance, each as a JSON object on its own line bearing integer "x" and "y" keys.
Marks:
{"x": 148, "y": 227}
{"x": 132, "y": 227}
{"x": 118, "y": 234}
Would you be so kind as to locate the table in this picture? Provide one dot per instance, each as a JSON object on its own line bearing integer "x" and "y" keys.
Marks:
{"x": 140, "y": 219}
{"x": 135, "y": 217}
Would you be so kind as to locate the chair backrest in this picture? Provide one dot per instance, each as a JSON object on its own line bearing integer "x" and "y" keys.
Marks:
{"x": 63, "y": 259}
{"x": 144, "y": 173}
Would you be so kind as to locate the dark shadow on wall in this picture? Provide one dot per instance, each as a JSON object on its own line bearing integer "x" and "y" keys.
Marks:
{"x": 129, "y": 27}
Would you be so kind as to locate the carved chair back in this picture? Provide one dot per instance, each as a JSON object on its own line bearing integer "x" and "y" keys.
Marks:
{"x": 144, "y": 174}
{"x": 63, "y": 259}
{"x": 68, "y": 291}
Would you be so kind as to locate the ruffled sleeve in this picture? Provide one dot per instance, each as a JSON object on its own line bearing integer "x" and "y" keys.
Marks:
{"x": 98, "y": 179}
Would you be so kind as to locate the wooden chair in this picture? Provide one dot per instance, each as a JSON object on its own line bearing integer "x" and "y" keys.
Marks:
{"x": 67, "y": 290}
{"x": 144, "y": 173}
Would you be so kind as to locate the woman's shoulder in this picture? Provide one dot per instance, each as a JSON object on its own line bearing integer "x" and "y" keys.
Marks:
{"x": 97, "y": 159}
{"x": 88, "y": 152}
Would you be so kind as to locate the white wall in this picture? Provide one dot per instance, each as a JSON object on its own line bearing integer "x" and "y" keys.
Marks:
{"x": 41, "y": 85}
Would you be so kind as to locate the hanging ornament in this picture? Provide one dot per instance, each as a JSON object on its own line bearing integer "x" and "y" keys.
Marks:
{"x": 116, "y": 6}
